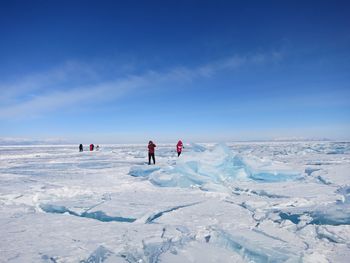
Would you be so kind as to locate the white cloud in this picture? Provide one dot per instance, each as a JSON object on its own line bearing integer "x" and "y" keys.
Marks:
{"x": 84, "y": 95}
{"x": 79, "y": 84}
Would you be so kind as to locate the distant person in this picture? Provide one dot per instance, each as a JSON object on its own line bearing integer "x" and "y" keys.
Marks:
{"x": 97, "y": 147}
{"x": 81, "y": 148}
{"x": 91, "y": 147}
{"x": 179, "y": 147}
{"x": 151, "y": 147}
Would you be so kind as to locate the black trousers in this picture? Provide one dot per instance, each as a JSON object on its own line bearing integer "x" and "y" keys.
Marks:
{"x": 149, "y": 158}
{"x": 178, "y": 154}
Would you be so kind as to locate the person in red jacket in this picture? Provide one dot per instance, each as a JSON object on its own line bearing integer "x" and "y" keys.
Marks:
{"x": 179, "y": 148}
{"x": 151, "y": 147}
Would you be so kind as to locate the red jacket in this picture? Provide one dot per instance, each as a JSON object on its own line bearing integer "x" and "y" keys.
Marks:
{"x": 151, "y": 147}
{"x": 179, "y": 147}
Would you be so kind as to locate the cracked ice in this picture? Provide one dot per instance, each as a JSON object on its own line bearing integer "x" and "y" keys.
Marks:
{"x": 240, "y": 202}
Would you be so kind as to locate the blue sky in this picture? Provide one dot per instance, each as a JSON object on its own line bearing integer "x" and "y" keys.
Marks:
{"x": 129, "y": 71}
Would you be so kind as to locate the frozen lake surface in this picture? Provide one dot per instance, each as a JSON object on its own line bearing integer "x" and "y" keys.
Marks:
{"x": 240, "y": 202}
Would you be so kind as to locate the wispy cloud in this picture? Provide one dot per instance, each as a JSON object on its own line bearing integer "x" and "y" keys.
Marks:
{"x": 80, "y": 84}
{"x": 46, "y": 102}
{"x": 46, "y": 81}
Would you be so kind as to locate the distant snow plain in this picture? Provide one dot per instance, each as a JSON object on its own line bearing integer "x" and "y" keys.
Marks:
{"x": 236, "y": 202}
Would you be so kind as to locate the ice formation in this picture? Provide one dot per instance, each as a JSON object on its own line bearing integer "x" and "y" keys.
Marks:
{"x": 240, "y": 202}
{"x": 216, "y": 166}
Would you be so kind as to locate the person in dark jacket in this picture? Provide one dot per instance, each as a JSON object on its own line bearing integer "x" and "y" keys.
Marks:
{"x": 92, "y": 147}
{"x": 179, "y": 146}
{"x": 80, "y": 148}
{"x": 151, "y": 147}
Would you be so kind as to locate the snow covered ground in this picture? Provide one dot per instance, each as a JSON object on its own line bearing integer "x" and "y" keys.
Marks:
{"x": 242, "y": 202}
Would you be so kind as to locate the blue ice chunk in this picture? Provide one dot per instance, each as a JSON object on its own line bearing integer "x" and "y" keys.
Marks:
{"x": 310, "y": 170}
{"x": 295, "y": 218}
{"x": 97, "y": 215}
{"x": 345, "y": 191}
{"x": 175, "y": 179}
{"x": 322, "y": 180}
{"x": 101, "y": 216}
{"x": 99, "y": 255}
{"x": 57, "y": 209}
{"x": 334, "y": 217}
{"x": 204, "y": 168}
{"x": 142, "y": 171}
{"x": 197, "y": 148}
{"x": 223, "y": 148}
{"x": 153, "y": 217}
{"x": 250, "y": 251}
{"x": 274, "y": 177}
{"x": 335, "y": 214}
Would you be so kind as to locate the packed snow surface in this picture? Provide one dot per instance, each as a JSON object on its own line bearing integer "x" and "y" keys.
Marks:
{"x": 238, "y": 202}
